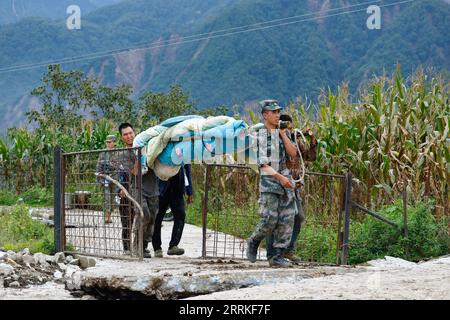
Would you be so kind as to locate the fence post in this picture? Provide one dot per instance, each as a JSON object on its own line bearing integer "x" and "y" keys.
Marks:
{"x": 139, "y": 200}
{"x": 348, "y": 205}
{"x": 340, "y": 233}
{"x": 58, "y": 193}
{"x": 205, "y": 210}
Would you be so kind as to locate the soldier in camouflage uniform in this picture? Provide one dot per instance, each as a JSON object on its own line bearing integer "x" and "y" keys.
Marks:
{"x": 277, "y": 198}
{"x": 106, "y": 164}
{"x": 308, "y": 154}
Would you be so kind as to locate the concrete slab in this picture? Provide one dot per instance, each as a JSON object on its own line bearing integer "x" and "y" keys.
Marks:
{"x": 174, "y": 277}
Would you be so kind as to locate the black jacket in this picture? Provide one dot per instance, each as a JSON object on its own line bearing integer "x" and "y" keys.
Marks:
{"x": 176, "y": 184}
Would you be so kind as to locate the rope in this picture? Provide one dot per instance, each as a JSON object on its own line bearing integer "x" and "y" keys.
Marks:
{"x": 141, "y": 213}
{"x": 302, "y": 175}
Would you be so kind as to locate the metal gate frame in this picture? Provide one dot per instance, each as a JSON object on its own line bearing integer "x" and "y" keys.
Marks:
{"x": 59, "y": 205}
{"x": 350, "y": 204}
{"x": 344, "y": 211}
{"x": 342, "y": 248}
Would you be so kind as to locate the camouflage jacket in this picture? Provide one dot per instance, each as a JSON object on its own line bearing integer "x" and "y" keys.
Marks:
{"x": 107, "y": 164}
{"x": 272, "y": 152}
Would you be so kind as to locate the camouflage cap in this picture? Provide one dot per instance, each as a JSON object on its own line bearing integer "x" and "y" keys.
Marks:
{"x": 269, "y": 105}
{"x": 111, "y": 137}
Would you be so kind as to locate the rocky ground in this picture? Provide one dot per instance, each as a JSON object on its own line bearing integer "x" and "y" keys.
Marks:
{"x": 27, "y": 276}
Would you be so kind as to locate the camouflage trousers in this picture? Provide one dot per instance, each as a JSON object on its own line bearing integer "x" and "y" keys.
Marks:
{"x": 277, "y": 218}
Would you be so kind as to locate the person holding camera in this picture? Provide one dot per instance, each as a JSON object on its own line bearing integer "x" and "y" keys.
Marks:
{"x": 308, "y": 154}
{"x": 277, "y": 199}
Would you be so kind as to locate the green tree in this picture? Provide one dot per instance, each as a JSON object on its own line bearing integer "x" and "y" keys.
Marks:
{"x": 157, "y": 107}
{"x": 67, "y": 97}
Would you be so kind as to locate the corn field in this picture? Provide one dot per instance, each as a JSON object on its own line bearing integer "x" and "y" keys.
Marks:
{"x": 395, "y": 136}
{"x": 26, "y": 157}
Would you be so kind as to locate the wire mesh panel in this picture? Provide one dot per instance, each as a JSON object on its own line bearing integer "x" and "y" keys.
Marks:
{"x": 98, "y": 219}
{"x": 232, "y": 212}
{"x": 322, "y": 202}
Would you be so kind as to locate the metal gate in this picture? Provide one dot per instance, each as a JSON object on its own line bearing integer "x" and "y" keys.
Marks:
{"x": 230, "y": 214}
{"x": 92, "y": 215}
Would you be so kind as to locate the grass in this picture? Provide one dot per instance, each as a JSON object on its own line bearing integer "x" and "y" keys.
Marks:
{"x": 317, "y": 241}
{"x": 34, "y": 196}
{"x": 19, "y": 231}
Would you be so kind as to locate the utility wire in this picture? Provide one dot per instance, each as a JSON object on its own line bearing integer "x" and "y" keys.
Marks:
{"x": 184, "y": 40}
{"x": 137, "y": 46}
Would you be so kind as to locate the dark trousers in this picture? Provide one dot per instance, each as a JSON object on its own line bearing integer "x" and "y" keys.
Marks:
{"x": 176, "y": 204}
{"x": 126, "y": 218}
{"x": 127, "y": 212}
{"x": 150, "y": 208}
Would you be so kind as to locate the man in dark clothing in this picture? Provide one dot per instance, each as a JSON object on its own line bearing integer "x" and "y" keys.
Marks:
{"x": 171, "y": 194}
{"x": 126, "y": 161}
{"x": 150, "y": 192}
{"x": 150, "y": 204}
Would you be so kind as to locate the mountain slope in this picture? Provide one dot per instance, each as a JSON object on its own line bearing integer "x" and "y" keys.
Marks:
{"x": 12, "y": 11}
{"x": 283, "y": 61}
{"x": 418, "y": 37}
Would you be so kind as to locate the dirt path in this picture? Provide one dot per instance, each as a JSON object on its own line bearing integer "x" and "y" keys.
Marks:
{"x": 96, "y": 237}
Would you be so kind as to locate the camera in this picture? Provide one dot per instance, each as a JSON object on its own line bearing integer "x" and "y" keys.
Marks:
{"x": 283, "y": 124}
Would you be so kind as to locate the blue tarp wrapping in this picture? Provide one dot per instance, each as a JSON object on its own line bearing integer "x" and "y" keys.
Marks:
{"x": 183, "y": 139}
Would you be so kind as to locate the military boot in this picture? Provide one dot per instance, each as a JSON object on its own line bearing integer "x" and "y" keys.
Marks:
{"x": 252, "y": 249}
{"x": 277, "y": 261}
{"x": 292, "y": 257}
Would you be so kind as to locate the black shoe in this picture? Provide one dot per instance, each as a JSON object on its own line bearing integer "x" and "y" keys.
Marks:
{"x": 252, "y": 249}
{"x": 147, "y": 254}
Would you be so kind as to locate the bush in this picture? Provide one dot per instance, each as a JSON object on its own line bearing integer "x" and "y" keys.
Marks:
{"x": 19, "y": 231}
{"x": 317, "y": 242}
{"x": 427, "y": 236}
{"x": 37, "y": 196}
{"x": 8, "y": 198}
